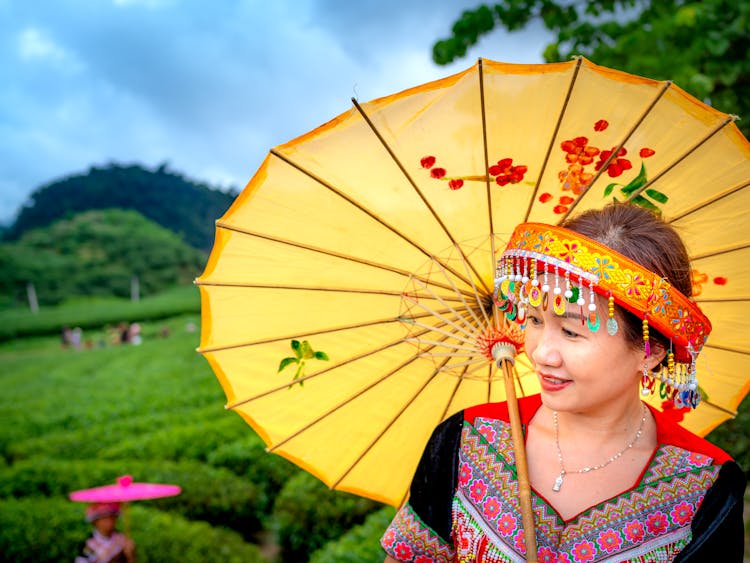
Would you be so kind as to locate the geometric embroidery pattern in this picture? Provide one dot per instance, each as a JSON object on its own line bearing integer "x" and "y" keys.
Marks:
{"x": 411, "y": 540}
{"x": 650, "y": 522}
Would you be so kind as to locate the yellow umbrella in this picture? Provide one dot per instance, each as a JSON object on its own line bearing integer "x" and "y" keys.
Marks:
{"x": 347, "y": 303}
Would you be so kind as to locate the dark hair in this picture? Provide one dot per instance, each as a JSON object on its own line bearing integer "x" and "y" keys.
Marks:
{"x": 644, "y": 237}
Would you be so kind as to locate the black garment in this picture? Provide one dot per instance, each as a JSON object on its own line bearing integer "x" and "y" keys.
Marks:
{"x": 718, "y": 529}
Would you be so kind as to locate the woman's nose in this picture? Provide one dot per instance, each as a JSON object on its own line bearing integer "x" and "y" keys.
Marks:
{"x": 546, "y": 352}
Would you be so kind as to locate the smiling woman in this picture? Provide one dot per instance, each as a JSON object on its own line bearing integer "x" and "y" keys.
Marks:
{"x": 605, "y": 300}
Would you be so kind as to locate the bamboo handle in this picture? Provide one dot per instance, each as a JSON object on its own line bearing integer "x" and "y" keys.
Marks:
{"x": 522, "y": 469}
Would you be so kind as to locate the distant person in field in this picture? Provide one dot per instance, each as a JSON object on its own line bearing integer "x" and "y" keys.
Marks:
{"x": 105, "y": 544}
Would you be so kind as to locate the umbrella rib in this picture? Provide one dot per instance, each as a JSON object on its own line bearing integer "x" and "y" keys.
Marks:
{"x": 710, "y": 201}
{"x": 723, "y": 299}
{"x": 483, "y": 107}
{"x": 727, "y": 349}
{"x": 342, "y": 363}
{"x": 478, "y": 297}
{"x": 729, "y": 119}
{"x": 349, "y": 399}
{"x": 414, "y": 340}
{"x": 461, "y": 296}
{"x": 329, "y": 289}
{"x": 324, "y": 251}
{"x": 470, "y": 328}
{"x": 387, "y": 426}
{"x": 720, "y": 408}
{"x": 665, "y": 86}
{"x": 304, "y": 334}
{"x": 354, "y": 203}
{"x": 726, "y": 250}
{"x": 459, "y": 380}
{"x": 579, "y": 61}
{"x": 443, "y": 332}
{"x": 413, "y": 184}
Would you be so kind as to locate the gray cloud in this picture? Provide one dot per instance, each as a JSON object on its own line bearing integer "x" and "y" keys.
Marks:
{"x": 209, "y": 87}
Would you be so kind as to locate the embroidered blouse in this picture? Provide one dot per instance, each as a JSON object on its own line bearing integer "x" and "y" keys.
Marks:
{"x": 464, "y": 501}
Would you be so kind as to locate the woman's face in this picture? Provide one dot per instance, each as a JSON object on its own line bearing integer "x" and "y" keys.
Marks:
{"x": 580, "y": 370}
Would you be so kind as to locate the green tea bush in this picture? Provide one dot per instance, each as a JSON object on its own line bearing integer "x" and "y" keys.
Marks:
{"x": 42, "y": 530}
{"x": 361, "y": 544}
{"x": 208, "y": 493}
{"x": 307, "y": 515}
{"x": 248, "y": 458}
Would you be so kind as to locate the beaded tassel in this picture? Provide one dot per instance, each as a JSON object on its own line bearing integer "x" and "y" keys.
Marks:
{"x": 611, "y": 320}
{"x": 646, "y": 343}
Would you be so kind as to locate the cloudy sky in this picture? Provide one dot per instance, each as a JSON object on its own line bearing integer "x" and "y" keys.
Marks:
{"x": 208, "y": 87}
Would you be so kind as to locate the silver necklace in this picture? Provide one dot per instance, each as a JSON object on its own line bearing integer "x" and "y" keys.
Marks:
{"x": 563, "y": 472}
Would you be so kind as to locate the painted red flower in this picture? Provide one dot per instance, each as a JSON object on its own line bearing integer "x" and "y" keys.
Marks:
{"x": 545, "y": 197}
{"x": 578, "y": 151}
{"x": 455, "y": 184}
{"x": 656, "y": 523}
{"x": 574, "y": 178}
{"x": 560, "y": 209}
{"x": 584, "y": 551}
{"x": 403, "y": 551}
{"x": 427, "y": 162}
{"x": 720, "y": 280}
{"x": 609, "y": 541}
{"x": 645, "y": 152}
{"x": 634, "y": 531}
{"x": 506, "y": 173}
{"x": 682, "y": 514}
{"x": 437, "y": 173}
{"x": 601, "y": 125}
{"x": 566, "y": 200}
{"x": 618, "y": 165}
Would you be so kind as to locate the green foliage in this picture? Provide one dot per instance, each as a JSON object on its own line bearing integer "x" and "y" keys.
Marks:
{"x": 95, "y": 313}
{"x": 308, "y": 515}
{"x": 302, "y": 352}
{"x": 702, "y": 46}
{"x": 166, "y": 198}
{"x": 208, "y": 493}
{"x": 42, "y": 530}
{"x": 96, "y": 253}
{"x": 248, "y": 458}
{"x": 361, "y": 544}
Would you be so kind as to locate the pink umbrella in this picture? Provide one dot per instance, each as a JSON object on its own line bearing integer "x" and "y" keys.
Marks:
{"x": 124, "y": 491}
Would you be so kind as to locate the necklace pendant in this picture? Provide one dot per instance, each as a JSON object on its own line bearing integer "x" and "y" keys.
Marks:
{"x": 558, "y": 483}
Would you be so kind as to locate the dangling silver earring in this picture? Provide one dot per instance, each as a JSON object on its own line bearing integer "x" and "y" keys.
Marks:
{"x": 647, "y": 381}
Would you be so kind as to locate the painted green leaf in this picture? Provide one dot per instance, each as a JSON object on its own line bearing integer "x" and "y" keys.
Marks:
{"x": 321, "y": 356}
{"x": 656, "y": 195}
{"x": 643, "y": 202}
{"x": 608, "y": 189}
{"x": 636, "y": 183}
{"x": 286, "y": 361}
{"x": 306, "y": 350}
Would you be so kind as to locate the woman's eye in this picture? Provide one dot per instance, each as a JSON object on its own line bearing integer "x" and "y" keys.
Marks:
{"x": 569, "y": 333}
{"x": 534, "y": 320}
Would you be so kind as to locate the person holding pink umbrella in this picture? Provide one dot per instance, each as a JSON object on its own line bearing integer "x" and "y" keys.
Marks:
{"x": 106, "y": 545}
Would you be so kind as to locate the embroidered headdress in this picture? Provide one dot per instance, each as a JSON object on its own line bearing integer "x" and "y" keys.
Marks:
{"x": 544, "y": 265}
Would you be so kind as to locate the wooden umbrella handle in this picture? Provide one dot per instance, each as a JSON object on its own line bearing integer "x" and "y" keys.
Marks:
{"x": 522, "y": 468}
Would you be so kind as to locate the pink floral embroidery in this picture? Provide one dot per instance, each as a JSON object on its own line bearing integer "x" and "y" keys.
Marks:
{"x": 491, "y": 507}
{"x": 682, "y": 514}
{"x": 584, "y": 551}
{"x": 698, "y": 459}
{"x": 389, "y": 537}
{"x": 546, "y": 555}
{"x": 488, "y": 432}
{"x": 403, "y": 551}
{"x": 634, "y": 531}
{"x": 609, "y": 541}
{"x": 520, "y": 541}
{"x": 507, "y": 524}
{"x": 464, "y": 475}
{"x": 656, "y": 523}
{"x": 477, "y": 491}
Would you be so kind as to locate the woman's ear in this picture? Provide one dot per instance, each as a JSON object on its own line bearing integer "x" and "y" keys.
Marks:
{"x": 658, "y": 353}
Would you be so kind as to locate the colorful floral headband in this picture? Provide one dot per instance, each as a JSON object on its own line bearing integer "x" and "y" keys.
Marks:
{"x": 544, "y": 263}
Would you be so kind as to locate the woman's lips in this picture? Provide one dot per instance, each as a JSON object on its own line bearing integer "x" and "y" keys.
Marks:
{"x": 553, "y": 383}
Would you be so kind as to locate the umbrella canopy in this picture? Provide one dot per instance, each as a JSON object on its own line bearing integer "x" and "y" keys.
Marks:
{"x": 347, "y": 303}
{"x": 125, "y": 490}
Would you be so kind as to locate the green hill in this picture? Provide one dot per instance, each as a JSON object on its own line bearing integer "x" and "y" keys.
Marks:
{"x": 96, "y": 253}
{"x": 167, "y": 198}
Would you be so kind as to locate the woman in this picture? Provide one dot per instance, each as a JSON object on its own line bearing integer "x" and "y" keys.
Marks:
{"x": 612, "y": 479}
{"x": 106, "y": 545}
